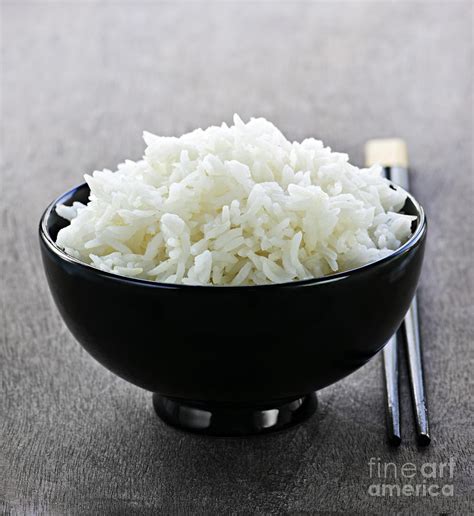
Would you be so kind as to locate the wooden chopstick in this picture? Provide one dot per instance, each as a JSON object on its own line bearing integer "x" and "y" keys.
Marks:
{"x": 392, "y": 155}
{"x": 390, "y": 366}
{"x": 415, "y": 371}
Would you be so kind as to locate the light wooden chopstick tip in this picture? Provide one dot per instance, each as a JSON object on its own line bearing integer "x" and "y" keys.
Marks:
{"x": 388, "y": 152}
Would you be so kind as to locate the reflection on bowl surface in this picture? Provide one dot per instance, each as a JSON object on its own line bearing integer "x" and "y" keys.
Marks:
{"x": 232, "y": 350}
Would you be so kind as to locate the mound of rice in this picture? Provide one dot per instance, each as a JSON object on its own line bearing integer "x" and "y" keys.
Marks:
{"x": 237, "y": 205}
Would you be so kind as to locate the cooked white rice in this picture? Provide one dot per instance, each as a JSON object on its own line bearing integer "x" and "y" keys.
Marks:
{"x": 237, "y": 205}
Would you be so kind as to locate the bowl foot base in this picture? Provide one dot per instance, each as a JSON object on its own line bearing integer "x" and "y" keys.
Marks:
{"x": 227, "y": 420}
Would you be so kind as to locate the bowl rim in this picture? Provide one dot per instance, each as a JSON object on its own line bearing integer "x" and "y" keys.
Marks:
{"x": 330, "y": 278}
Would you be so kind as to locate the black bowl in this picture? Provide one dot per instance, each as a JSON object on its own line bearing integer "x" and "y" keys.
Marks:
{"x": 232, "y": 360}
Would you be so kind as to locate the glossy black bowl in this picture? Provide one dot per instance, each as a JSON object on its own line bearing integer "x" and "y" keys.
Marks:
{"x": 232, "y": 360}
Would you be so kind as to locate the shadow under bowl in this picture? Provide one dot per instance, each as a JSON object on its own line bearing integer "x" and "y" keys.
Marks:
{"x": 232, "y": 360}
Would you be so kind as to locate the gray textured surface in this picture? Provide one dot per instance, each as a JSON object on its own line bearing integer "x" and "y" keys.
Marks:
{"x": 80, "y": 81}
